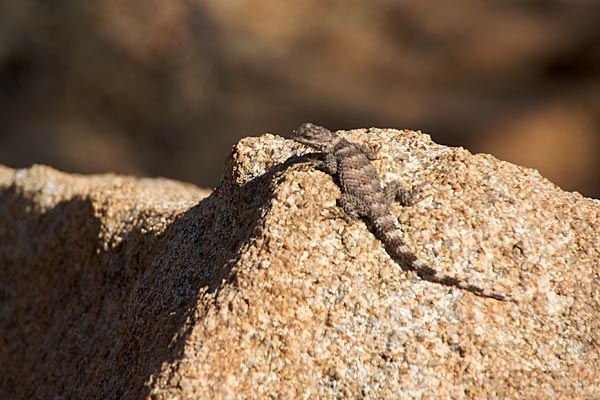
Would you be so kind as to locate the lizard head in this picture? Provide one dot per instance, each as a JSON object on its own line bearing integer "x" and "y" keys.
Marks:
{"x": 314, "y": 136}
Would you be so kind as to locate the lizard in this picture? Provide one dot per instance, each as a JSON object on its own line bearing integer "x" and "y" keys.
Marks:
{"x": 364, "y": 197}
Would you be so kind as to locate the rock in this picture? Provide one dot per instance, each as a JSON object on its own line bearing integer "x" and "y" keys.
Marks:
{"x": 117, "y": 287}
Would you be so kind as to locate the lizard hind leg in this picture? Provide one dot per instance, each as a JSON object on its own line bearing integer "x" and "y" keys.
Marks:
{"x": 348, "y": 208}
{"x": 353, "y": 207}
{"x": 394, "y": 191}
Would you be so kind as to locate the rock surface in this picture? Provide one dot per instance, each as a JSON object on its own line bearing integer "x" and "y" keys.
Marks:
{"x": 117, "y": 287}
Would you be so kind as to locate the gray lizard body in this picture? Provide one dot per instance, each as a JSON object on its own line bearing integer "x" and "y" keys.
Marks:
{"x": 364, "y": 197}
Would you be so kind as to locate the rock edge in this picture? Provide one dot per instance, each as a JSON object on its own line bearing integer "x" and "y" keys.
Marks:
{"x": 122, "y": 287}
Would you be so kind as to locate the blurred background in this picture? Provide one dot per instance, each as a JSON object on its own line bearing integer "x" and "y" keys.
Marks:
{"x": 165, "y": 88}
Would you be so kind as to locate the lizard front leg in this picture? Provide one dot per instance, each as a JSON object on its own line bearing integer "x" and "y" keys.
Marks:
{"x": 369, "y": 152}
{"x": 325, "y": 162}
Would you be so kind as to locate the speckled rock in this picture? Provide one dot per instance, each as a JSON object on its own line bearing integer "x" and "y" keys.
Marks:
{"x": 116, "y": 287}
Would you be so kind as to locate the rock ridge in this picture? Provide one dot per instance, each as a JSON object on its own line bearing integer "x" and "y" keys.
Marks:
{"x": 122, "y": 287}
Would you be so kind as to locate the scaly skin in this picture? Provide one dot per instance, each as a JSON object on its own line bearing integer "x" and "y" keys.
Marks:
{"x": 364, "y": 197}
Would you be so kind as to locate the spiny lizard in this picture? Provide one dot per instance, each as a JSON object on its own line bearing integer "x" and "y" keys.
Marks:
{"x": 364, "y": 197}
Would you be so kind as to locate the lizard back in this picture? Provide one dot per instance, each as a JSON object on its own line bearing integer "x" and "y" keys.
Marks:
{"x": 363, "y": 196}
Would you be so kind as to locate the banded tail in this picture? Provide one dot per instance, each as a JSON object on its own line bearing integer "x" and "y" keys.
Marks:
{"x": 386, "y": 226}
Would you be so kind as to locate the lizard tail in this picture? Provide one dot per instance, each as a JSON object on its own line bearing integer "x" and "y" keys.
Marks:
{"x": 426, "y": 272}
{"x": 403, "y": 256}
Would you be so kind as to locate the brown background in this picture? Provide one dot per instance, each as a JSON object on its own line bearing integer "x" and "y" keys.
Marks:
{"x": 166, "y": 87}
